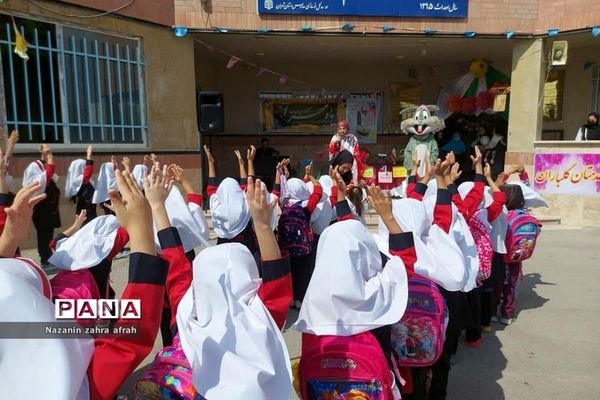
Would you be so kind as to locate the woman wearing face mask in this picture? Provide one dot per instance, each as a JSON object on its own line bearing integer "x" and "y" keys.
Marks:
{"x": 591, "y": 130}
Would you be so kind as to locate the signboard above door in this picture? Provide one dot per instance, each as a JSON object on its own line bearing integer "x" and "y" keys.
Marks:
{"x": 368, "y": 8}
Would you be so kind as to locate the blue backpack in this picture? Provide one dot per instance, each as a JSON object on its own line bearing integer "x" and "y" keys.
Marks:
{"x": 294, "y": 232}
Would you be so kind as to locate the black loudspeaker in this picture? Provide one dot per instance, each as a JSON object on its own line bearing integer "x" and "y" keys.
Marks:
{"x": 211, "y": 117}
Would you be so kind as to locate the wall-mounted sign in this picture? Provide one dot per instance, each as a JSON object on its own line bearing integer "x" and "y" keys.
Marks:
{"x": 566, "y": 173}
{"x": 368, "y": 8}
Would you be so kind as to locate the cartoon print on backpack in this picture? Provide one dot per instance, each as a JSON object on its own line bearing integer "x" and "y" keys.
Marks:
{"x": 400, "y": 340}
{"x": 521, "y": 237}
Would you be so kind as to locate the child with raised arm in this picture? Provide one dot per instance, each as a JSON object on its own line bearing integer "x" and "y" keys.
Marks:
{"x": 229, "y": 208}
{"x": 79, "y": 186}
{"x": 85, "y": 368}
{"x": 46, "y": 216}
{"x": 225, "y": 314}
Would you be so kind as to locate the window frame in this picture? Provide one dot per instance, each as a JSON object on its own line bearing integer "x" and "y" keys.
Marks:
{"x": 596, "y": 88}
{"x": 62, "y": 100}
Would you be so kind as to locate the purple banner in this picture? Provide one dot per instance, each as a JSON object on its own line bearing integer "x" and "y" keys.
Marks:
{"x": 567, "y": 173}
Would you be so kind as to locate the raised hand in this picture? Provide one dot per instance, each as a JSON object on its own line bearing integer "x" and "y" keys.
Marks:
{"x": 77, "y": 224}
{"x": 126, "y": 162}
{"x": 209, "y": 156}
{"x": 238, "y": 155}
{"x": 262, "y": 215}
{"x": 477, "y": 160}
{"x": 308, "y": 170}
{"x": 18, "y": 219}
{"x": 455, "y": 172}
{"x": 134, "y": 213}
{"x": 157, "y": 186}
{"x": 451, "y": 158}
{"x": 383, "y": 206}
{"x": 89, "y": 152}
{"x": 251, "y": 153}
{"x": 415, "y": 164}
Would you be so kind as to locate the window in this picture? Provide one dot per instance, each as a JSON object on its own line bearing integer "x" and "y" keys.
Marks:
{"x": 553, "y": 95}
{"x": 596, "y": 86}
{"x": 78, "y": 86}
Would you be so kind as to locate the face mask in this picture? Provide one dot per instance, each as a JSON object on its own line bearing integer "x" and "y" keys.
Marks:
{"x": 347, "y": 177}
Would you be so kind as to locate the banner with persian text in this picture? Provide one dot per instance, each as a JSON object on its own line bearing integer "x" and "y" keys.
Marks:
{"x": 567, "y": 173}
{"x": 367, "y": 8}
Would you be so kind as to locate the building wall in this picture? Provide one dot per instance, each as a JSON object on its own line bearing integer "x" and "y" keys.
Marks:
{"x": 156, "y": 11}
{"x": 484, "y": 16}
{"x": 170, "y": 96}
{"x": 241, "y": 89}
{"x": 578, "y": 90}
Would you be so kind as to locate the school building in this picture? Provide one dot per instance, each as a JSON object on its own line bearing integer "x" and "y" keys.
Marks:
{"x": 126, "y": 76}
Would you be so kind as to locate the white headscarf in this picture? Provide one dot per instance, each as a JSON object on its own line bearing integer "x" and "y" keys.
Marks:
{"x": 36, "y": 173}
{"x": 461, "y": 233}
{"x": 299, "y": 192}
{"x": 327, "y": 185}
{"x": 350, "y": 292}
{"x": 75, "y": 178}
{"x": 107, "y": 182}
{"x": 231, "y": 341}
{"x": 322, "y": 215}
{"x": 466, "y": 187}
{"x": 438, "y": 256}
{"x": 192, "y": 233}
{"x": 229, "y": 209}
{"x": 56, "y": 368}
{"x": 88, "y": 246}
{"x": 532, "y": 198}
{"x": 140, "y": 171}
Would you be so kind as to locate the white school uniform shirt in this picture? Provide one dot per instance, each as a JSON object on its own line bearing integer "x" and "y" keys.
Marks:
{"x": 438, "y": 256}
{"x": 56, "y": 369}
{"x": 74, "y": 179}
{"x": 350, "y": 292}
{"x": 107, "y": 182}
{"x": 88, "y": 246}
{"x": 227, "y": 334}
{"x": 229, "y": 209}
{"x": 461, "y": 233}
{"x": 36, "y": 173}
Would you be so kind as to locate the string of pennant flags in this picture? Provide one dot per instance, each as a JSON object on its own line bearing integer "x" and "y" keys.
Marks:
{"x": 234, "y": 60}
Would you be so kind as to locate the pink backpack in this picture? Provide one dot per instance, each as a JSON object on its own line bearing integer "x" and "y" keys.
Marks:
{"x": 74, "y": 285}
{"x": 338, "y": 367}
{"x": 168, "y": 377}
{"x": 521, "y": 237}
{"x": 418, "y": 339}
{"x": 483, "y": 242}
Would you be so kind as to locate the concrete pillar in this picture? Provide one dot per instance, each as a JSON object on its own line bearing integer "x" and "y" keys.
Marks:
{"x": 525, "y": 117}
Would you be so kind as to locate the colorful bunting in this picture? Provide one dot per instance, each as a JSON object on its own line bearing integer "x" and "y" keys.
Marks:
{"x": 20, "y": 43}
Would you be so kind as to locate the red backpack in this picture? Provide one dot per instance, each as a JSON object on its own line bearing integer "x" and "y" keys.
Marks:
{"x": 343, "y": 367}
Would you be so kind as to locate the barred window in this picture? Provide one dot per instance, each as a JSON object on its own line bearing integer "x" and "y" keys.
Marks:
{"x": 78, "y": 86}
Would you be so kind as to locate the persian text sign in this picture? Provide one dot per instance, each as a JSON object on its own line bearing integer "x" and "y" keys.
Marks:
{"x": 371, "y": 8}
{"x": 566, "y": 173}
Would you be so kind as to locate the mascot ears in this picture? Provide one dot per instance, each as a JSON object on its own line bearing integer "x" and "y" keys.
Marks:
{"x": 432, "y": 109}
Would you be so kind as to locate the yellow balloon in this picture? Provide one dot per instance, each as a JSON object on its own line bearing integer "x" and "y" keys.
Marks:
{"x": 479, "y": 67}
